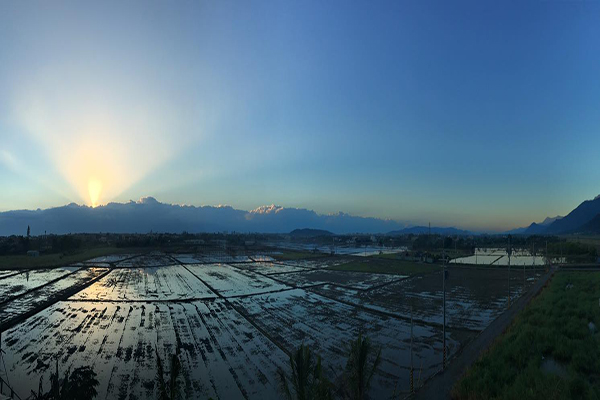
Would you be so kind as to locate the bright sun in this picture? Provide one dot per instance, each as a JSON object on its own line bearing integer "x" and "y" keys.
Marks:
{"x": 94, "y": 187}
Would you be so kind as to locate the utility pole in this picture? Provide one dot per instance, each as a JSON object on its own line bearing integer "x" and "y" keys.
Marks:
{"x": 444, "y": 327}
{"x": 523, "y": 277}
{"x": 561, "y": 256}
{"x": 430, "y": 245}
{"x": 455, "y": 241}
{"x": 412, "y": 388}
{"x": 509, "y": 254}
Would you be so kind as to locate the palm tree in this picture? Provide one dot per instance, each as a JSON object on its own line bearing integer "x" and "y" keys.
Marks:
{"x": 358, "y": 371}
{"x": 307, "y": 379}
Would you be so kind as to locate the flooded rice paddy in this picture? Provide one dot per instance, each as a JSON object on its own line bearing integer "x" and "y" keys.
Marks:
{"x": 235, "y": 322}
{"x": 497, "y": 256}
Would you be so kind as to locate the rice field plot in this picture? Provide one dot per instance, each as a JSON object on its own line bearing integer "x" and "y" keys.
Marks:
{"x": 225, "y": 258}
{"x": 269, "y": 268}
{"x": 111, "y": 258}
{"x": 222, "y": 354}
{"x": 354, "y": 280}
{"x": 211, "y": 259}
{"x": 90, "y": 264}
{"x": 316, "y": 264}
{"x": 149, "y": 260}
{"x": 229, "y": 281}
{"x": 37, "y": 297}
{"x": 7, "y": 272}
{"x": 187, "y": 258}
{"x": 261, "y": 258}
{"x": 146, "y": 284}
{"x": 298, "y": 316}
{"x": 474, "y": 297}
{"x": 16, "y": 285}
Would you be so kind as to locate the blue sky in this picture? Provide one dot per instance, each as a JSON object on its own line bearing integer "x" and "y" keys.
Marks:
{"x": 482, "y": 115}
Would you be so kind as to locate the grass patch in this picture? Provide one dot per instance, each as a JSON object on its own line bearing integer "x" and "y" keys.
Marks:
{"x": 437, "y": 254}
{"x": 298, "y": 255}
{"x": 387, "y": 256}
{"x": 553, "y": 326}
{"x": 379, "y": 265}
{"x": 59, "y": 259}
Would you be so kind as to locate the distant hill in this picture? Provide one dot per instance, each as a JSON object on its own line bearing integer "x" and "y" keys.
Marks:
{"x": 550, "y": 220}
{"x": 307, "y": 232}
{"x": 581, "y": 219}
{"x": 535, "y": 228}
{"x": 148, "y": 214}
{"x": 581, "y": 215}
{"x": 591, "y": 227}
{"x": 418, "y": 230}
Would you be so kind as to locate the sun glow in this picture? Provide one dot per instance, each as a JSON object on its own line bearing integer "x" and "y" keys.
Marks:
{"x": 103, "y": 142}
{"x": 94, "y": 188}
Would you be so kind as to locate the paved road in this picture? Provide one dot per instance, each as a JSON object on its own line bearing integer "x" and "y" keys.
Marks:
{"x": 439, "y": 386}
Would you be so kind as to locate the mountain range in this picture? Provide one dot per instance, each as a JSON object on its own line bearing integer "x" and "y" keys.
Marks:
{"x": 535, "y": 228}
{"x": 584, "y": 219}
{"x": 148, "y": 214}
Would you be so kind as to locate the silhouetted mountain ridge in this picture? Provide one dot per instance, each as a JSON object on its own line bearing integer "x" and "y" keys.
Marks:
{"x": 591, "y": 227}
{"x": 148, "y": 214}
{"x": 580, "y": 220}
{"x": 581, "y": 215}
{"x": 535, "y": 228}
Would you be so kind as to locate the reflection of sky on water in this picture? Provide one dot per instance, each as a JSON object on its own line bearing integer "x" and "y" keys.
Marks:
{"x": 117, "y": 332}
{"x": 499, "y": 256}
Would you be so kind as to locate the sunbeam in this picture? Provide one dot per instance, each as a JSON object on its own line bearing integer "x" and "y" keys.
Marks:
{"x": 95, "y": 189}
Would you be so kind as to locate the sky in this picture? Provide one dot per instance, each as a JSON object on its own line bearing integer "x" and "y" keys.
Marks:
{"x": 482, "y": 115}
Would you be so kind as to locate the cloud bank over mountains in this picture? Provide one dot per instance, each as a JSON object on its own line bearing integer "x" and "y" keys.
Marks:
{"x": 148, "y": 214}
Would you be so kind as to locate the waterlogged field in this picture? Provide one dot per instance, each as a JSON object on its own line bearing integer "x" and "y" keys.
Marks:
{"x": 474, "y": 296}
{"x": 234, "y": 323}
{"x": 222, "y": 354}
{"x": 151, "y": 283}
{"x": 35, "y": 298}
{"x": 15, "y": 285}
{"x": 219, "y": 258}
{"x": 492, "y": 256}
{"x": 295, "y": 317}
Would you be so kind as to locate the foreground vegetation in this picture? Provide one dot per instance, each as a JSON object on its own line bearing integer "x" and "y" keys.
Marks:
{"x": 307, "y": 380}
{"x": 551, "y": 351}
